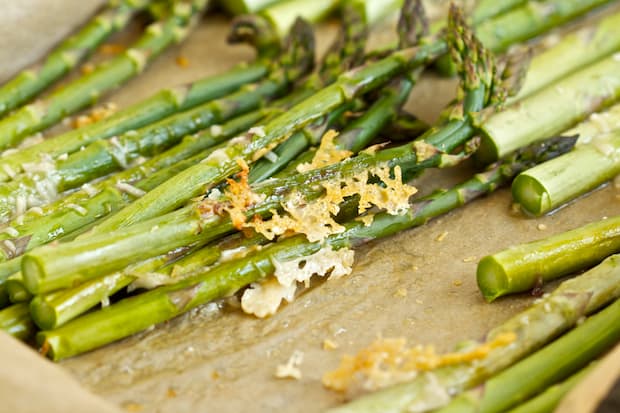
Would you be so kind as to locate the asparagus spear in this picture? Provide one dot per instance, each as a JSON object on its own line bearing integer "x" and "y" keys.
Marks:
{"x": 554, "y": 362}
{"x": 136, "y": 313}
{"x": 534, "y": 327}
{"x": 553, "y": 184}
{"x": 522, "y": 267}
{"x": 547, "y": 401}
{"x": 85, "y": 90}
{"x": 67, "y": 55}
{"x": 575, "y": 50}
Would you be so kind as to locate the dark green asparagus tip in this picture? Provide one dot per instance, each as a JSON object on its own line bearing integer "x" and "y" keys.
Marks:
{"x": 544, "y": 150}
{"x": 412, "y": 24}
{"x": 299, "y": 54}
{"x": 515, "y": 66}
{"x": 256, "y": 31}
{"x": 348, "y": 49}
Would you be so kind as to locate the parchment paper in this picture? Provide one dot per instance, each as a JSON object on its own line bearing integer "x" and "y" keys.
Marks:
{"x": 224, "y": 361}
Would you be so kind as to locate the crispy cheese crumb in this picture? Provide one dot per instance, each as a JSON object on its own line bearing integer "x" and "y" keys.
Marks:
{"x": 401, "y": 292}
{"x": 133, "y": 407}
{"x": 469, "y": 259}
{"x": 264, "y": 298}
{"x": 95, "y": 115}
{"x": 182, "y": 61}
{"x": 291, "y": 370}
{"x": 329, "y": 345}
{"x": 327, "y": 154}
{"x": 388, "y": 361}
{"x": 87, "y": 68}
{"x": 442, "y": 236}
{"x": 541, "y": 227}
{"x": 457, "y": 283}
{"x": 238, "y": 197}
{"x": 111, "y": 48}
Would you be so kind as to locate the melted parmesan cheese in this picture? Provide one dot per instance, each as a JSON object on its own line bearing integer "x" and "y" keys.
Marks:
{"x": 264, "y": 298}
{"x": 388, "y": 361}
{"x": 327, "y": 154}
{"x": 315, "y": 218}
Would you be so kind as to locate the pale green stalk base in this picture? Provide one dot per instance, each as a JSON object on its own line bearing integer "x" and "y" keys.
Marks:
{"x": 523, "y": 267}
{"x": 550, "y": 185}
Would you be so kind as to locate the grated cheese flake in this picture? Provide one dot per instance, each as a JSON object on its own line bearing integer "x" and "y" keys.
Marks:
{"x": 388, "y": 361}
{"x": 291, "y": 368}
{"x": 327, "y": 154}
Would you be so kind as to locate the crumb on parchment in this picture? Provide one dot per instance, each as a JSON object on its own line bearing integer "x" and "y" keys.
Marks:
{"x": 290, "y": 370}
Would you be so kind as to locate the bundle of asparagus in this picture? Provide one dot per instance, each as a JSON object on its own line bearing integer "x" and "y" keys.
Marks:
{"x": 199, "y": 219}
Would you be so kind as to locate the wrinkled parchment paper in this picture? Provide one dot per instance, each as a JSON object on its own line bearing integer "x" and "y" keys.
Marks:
{"x": 419, "y": 284}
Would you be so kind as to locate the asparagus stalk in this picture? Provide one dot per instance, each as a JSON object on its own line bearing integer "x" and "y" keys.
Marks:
{"x": 547, "y": 401}
{"x": 15, "y": 320}
{"x": 85, "y": 90}
{"x": 486, "y": 9}
{"x": 68, "y": 54}
{"x": 522, "y": 267}
{"x": 529, "y": 20}
{"x": 544, "y": 368}
{"x": 553, "y": 184}
{"x": 136, "y": 313}
{"x": 106, "y": 156}
{"x": 158, "y": 106}
{"x": 551, "y": 110}
{"x": 575, "y": 50}
{"x": 534, "y": 327}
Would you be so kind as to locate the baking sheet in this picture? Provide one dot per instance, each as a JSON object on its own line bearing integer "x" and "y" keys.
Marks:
{"x": 225, "y": 361}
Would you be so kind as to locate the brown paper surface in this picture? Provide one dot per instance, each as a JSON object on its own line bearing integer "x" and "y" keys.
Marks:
{"x": 225, "y": 361}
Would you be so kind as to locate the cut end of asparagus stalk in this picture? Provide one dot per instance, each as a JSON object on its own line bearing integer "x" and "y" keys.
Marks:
{"x": 492, "y": 278}
{"x": 33, "y": 274}
{"x": 532, "y": 195}
{"x": 43, "y": 314}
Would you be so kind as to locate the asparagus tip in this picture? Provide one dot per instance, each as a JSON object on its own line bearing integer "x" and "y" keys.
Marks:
{"x": 412, "y": 24}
